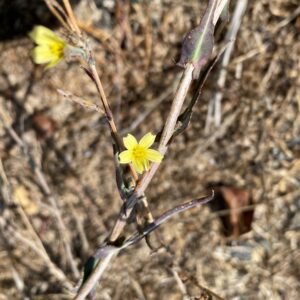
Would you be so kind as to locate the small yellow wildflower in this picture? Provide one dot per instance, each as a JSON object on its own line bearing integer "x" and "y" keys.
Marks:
{"x": 139, "y": 154}
{"x": 50, "y": 48}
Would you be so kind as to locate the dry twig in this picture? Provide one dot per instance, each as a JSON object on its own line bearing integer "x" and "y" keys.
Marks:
{"x": 47, "y": 191}
{"x": 214, "y": 107}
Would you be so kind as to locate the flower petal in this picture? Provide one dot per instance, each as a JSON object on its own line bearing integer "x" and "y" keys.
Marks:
{"x": 125, "y": 157}
{"x": 44, "y": 36}
{"x": 129, "y": 141}
{"x": 42, "y": 55}
{"x": 147, "y": 140}
{"x": 138, "y": 166}
{"x": 146, "y": 164}
{"x": 154, "y": 155}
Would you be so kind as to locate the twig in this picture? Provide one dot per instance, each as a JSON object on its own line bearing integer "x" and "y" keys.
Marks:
{"x": 204, "y": 289}
{"x": 9, "y": 232}
{"x": 71, "y": 16}
{"x": 287, "y": 20}
{"x": 51, "y": 5}
{"x": 106, "y": 105}
{"x": 92, "y": 72}
{"x": 220, "y": 132}
{"x": 152, "y": 106}
{"x": 180, "y": 284}
{"x": 226, "y": 212}
{"x": 166, "y": 135}
{"x": 219, "y": 9}
{"x": 46, "y": 189}
{"x": 215, "y": 102}
{"x": 138, "y": 288}
{"x": 82, "y": 102}
{"x": 63, "y": 230}
{"x": 105, "y": 253}
{"x": 108, "y": 250}
{"x": 168, "y": 131}
{"x": 113, "y": 128}
{"x": 103, "y": 37}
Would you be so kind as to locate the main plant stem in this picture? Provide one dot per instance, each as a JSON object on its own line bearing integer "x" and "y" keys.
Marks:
{"x": 169, "y": 127}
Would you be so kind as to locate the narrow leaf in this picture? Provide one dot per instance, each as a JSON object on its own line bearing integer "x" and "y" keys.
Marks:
{"x": 166, "y": 216}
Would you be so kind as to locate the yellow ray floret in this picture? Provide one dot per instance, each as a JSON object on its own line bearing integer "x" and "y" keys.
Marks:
{"x": 50, "y": 48}
{"x": 138, "y": 153}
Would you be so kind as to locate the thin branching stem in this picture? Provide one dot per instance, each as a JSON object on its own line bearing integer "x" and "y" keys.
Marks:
{"x": 108, "y": 113}
{"x": 47, "y": 191}
{"x": 71, "y": 16}
{"x": 55, "y": 12}
{"x": 114, "y": 131}
{"x": 107, "y": 252}
{"x": 178, "y": 101}
{"x": 142, "y": 183}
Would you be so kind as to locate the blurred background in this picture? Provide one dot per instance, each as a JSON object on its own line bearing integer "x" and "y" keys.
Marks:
{"x": 58, "y": 196}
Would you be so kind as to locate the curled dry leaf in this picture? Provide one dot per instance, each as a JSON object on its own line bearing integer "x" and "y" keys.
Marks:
{"x": 234, "y": 207}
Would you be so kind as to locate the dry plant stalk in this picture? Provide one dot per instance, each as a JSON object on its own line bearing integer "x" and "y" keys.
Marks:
{"x": 196, "y": 51}
{"x": 214, "y": 107}
{"x": 42, "y": 182}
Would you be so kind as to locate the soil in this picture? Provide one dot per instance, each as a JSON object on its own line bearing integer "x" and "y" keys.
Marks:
{"x": 256, "y": 150}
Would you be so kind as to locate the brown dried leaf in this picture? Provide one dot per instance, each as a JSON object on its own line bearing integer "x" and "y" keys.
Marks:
{"x": 233, "y": 206}
{"x": 236, "y": 199}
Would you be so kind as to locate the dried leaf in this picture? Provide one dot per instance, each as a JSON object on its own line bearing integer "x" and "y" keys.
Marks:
{"x": 234, "y": 206}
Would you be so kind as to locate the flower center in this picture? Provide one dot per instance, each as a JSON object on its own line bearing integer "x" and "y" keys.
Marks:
{"x": 58, "y": 49}
{"x": 139, "y": 153}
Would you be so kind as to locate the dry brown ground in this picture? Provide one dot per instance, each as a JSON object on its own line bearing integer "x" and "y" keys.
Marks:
{"x": 257, "y": 148}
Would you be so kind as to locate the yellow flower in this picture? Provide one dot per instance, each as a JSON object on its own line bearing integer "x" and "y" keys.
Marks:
{"x": 50, "y": 48}
{"x": 139, "y": 154}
